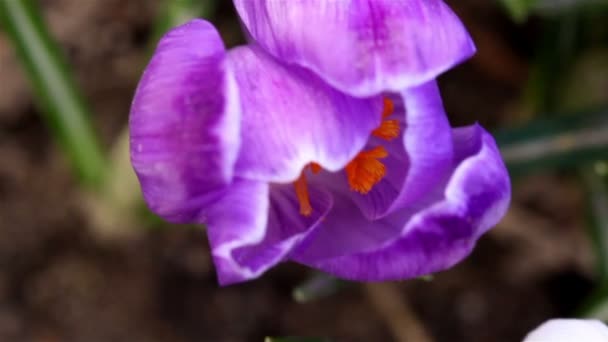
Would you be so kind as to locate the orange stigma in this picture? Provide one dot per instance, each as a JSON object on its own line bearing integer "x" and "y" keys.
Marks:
{"x": 302, "y": 194}
{"x": 315, "y": 168}
{"x": 366, "y": 170}
{"x": 389, "y": 108}
{"x": 388, "y": 129}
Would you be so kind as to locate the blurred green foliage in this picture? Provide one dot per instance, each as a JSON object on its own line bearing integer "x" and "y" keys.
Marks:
{"x": 518, "y": 9}
{"x": 565, "y": 141}
{"x": 177, "y": 12}
{"x": 58, "y": 95}
{"x": 568, "y": 89}
{"x": 521, "y": 9}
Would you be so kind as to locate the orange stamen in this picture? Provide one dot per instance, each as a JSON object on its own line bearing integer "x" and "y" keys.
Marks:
{"x": 302, "y": 194}
{"x": 366, "y": 170}
{"x": 388, "y": 129}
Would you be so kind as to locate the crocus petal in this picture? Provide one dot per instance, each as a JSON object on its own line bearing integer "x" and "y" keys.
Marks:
{"x": 569, "y": 330}
{"x": 291, "y": 118}
{"x": 252, "y": 227}
{"x": 362, "y": 47}
{"x": 184, "y": 122}
{"x": 418, "y": 161}
{"x": 427, "y": 237}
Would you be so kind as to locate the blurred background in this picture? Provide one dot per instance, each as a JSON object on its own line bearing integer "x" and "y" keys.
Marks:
{"x": 81, "y": 259}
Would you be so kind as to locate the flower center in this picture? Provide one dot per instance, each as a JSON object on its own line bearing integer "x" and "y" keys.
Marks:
{"x": 365, "y": 170}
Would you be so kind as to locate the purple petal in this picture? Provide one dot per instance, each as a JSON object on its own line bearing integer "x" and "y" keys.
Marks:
{"x": 253, "y": 227}
{"x": 291, "y": 118}
{"x": 421, "y": 239}
{"x": 363, "y": 47}
{"x": 184, "y": 122}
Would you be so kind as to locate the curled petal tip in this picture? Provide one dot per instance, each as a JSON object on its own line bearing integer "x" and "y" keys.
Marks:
{"x": 373, "y": 45}
{"x": 184, "y": 122}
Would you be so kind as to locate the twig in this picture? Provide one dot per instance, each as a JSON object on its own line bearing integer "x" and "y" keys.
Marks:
{"x": 392, "y": 305}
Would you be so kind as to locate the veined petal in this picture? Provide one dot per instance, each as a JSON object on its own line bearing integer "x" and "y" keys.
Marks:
{"x": 362, "y": 47}
{"x": 252, "y": 227}
{"x": 184, "y": 122}
{"x": 421, "y": 239}
{"x": 291, "y": 118}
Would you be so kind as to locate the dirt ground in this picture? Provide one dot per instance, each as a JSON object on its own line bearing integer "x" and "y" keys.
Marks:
{"x": 60, "y": 282}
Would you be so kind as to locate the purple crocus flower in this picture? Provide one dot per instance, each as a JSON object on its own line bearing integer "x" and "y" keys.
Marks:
{"x": 280, "y": 165}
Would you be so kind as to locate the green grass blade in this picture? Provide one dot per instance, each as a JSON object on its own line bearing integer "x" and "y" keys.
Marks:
{"x": 57, "y": 95}
{"x": 564, "y": 142}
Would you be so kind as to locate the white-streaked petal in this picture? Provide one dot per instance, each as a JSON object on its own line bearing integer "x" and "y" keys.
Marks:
{"x": 292, "y": 118}
{"x": 185, "y": 121}
{"x": 363, "y": 47}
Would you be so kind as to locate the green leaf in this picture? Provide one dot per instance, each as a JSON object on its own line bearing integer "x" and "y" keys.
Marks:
{"x": 59, "y": 99}
{"x": 560, "y": 142}
{"x": 519, "y": 9}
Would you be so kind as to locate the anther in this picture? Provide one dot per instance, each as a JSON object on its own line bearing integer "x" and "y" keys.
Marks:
{"x": 366, "y": 170}
{"x": 388, "y": 129}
